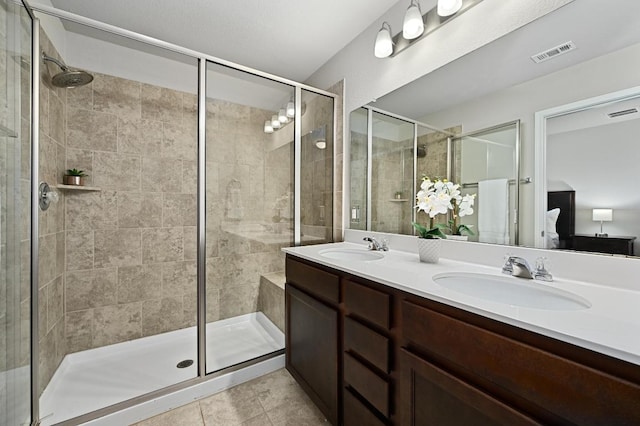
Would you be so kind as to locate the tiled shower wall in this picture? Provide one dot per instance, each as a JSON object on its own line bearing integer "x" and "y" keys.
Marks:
{"x": 53, "y": 103}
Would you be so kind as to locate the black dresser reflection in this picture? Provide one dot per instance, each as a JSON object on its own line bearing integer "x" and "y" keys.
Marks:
{"x": 614, "y": 244}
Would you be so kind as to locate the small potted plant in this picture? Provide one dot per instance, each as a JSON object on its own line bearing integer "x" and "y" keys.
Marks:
{"x": 74, "y": 177}
{"x": 398, "y": 195}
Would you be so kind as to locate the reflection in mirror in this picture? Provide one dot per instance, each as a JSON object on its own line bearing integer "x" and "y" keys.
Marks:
{"x": 500, "y": 83}
{"x": 586, "y": 209}
{"x": 486, "y": 163}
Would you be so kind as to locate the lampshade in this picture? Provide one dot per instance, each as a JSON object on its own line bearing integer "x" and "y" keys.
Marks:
{"x": 268, "y": 128}
{"x": 602, "y": 215}
{"x": 384, "y": 44}
{"x": 291, "y": 109}
{"x": 448, "y": 7}
{"x": 282, "y": 116}
{"x": 275, "y": 123}
{"x": 413, "y": 25}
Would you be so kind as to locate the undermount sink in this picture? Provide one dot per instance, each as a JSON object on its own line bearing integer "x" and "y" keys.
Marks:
{"x": 351, "y": 254}
{"x": 511, "y": 291}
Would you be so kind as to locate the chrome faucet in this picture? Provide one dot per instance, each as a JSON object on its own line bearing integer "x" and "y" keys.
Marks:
{"x": 375, "y": 245}
{"x": 519, "y": 267}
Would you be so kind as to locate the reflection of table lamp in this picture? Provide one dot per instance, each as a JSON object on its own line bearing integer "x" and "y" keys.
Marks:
{"x": 602, "y": 215}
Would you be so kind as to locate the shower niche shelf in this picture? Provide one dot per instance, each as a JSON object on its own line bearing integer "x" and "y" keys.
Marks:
{"x": 77, "y": 187}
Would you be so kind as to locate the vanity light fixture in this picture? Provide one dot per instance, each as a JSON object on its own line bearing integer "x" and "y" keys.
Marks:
{"x": 275, "y": 123}
{"x": 268, "y": 128}
{"x": 384, "y": 45}
{"x": 448, "y": 7}
{"x": 413, "y": 26}
{"x": 416, "y": 26}
{"x": 602, "y": 215}
{"x": 282, "y": 116}
{"x": 291, "y": 109}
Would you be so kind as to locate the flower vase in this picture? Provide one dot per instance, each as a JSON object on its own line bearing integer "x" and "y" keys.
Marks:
{"x": 429, "y": 250}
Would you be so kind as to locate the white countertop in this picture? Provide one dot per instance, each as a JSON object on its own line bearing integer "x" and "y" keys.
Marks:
{"x": 610, "y": 326}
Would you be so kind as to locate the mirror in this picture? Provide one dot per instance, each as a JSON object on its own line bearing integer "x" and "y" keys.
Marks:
{"x": 555, "y": 60}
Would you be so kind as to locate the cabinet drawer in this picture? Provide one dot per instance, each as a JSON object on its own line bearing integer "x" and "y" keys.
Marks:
{"x": 367, "y": 383}
{"x": 543, "y": 381}
{"x": 366, "y": 343}
{"x": 314, "y": 281}
{"x": 367, "y": 303}
{"x": 356, "y": 413}
{"x": 431, "y": 396}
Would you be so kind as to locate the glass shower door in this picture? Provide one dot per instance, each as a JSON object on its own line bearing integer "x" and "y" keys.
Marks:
{"x": 15, "y": 182}
{"x": 249, "y": 213}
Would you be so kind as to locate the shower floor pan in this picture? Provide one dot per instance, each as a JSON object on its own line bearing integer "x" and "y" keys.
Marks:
{"x": 89, "y": 380}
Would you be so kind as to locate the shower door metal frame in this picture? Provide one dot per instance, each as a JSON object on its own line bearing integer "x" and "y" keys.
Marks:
{"x": 202, "y": 60}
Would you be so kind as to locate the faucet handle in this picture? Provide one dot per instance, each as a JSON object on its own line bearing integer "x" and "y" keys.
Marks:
{"x": 384, "y": 244}
{"x": 541, "y": 272}
{"x": 507, "y": 268}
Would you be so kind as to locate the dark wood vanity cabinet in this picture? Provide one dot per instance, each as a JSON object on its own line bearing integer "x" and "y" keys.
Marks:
{"x": 312, "y": 327}
{"x": 399, "y": 359}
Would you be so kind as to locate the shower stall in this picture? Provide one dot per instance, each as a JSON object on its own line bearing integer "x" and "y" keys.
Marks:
{"x": 164, "y": 269}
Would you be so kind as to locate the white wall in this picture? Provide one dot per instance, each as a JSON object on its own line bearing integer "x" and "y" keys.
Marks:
{"x": 368, "y": 77}
{"x": 615, "y": 71}
{"x": 600, "y": 163}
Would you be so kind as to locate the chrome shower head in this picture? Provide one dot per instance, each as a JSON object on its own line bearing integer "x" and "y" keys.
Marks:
{"x": 69, "y": 77}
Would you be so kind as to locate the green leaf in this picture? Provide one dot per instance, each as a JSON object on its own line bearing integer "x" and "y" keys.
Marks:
{"x": 466, "y": 229}
{"x": 424, "y": 232}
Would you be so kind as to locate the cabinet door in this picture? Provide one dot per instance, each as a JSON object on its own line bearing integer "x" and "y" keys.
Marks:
{"x": 431, "y": 396}
{"x": 312, "y": 349}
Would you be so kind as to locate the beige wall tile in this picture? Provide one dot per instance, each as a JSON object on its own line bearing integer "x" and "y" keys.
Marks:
{"x": 161, "y": 175}
{"x": 180, "y": 141}
{"x": 80, "y": 159}
{"x": 139, "y": 210}
{"x": 55, "y": 302}
{"x": 57, "y": 119}
{"x": 179, "y": 210}
{"x": 190, "y": 242}
{"x": 190, "y": 177}
{"x": 137, "y": 283}
{"x": 162, "y": 315}
{"x": 81, "y": 96}
{"x": 116, "y": 95}
{"x": 159, "y": 103}
{"x": 91, "y": 210}
{"x": 79, "y": 250}
{"x": 78, "y": 334}
{"x": 138, "y": 136}
{"x": 114, "y": 324}
{"x": 120, "y": 247}
{"x": 47, "y": 259}
{"x": 90, "y": 289}
{"x": 238, "y": 300}
{"x": 162, "y": 245}
{"x": 179, "y": 278}
{"x": 116, "y": 171}
{"x": 91, "y": 130}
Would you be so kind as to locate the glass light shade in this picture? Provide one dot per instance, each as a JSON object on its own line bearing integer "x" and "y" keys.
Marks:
{"x": 275, "y": 123}
{"x": 602, "y": 215}
{"x": 413, "y": 26}
{"x": 267, "y": 127}
{"x": 448, "y": 7}
{"x": 321, "y": 144}
{"x": 384, "y": 45}
{"x": 291, "y": 109}
{"x": 282, "y": 116}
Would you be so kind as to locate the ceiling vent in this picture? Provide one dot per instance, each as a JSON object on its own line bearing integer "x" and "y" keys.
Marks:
{"x": 622, "y": 112}
{"x": 553, "y": 52}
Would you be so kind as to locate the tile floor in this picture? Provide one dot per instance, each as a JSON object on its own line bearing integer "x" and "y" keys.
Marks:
{"x": 272, "y": 400}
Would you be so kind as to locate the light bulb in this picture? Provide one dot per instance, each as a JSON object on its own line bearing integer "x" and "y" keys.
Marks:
{"x": 291, "y": 109}
{"x": 275, "y": 123}
{"x": 384, "y": 44}
{"x": 448, "y": 7}
{"x": 282, "y": 116}
{"x": 413, "y": 25}
{"x": 267, "y": 127}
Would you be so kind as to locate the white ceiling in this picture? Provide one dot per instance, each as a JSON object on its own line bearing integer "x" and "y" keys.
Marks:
{"x": 291, "y": 39}
{"x": 595, "y": 28}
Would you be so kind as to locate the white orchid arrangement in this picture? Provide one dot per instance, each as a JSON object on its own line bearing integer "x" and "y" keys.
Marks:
{"x": 439, "y": 197}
